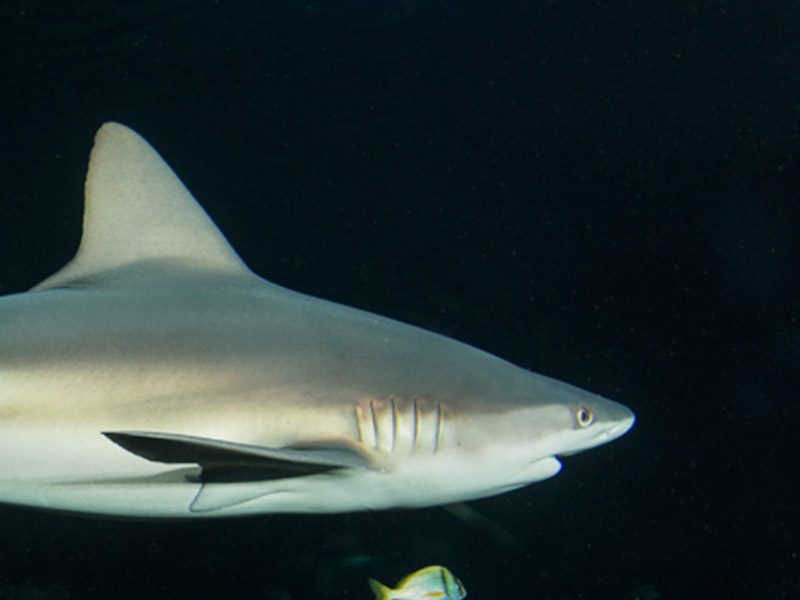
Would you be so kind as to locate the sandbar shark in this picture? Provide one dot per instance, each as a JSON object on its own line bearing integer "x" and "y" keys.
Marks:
{"x": 156, "y": 375}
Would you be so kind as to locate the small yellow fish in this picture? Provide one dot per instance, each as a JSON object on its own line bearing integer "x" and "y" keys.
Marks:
{"x": 430, "y": 583}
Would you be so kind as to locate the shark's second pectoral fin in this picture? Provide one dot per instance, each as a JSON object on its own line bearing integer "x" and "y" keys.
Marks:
{"x": 224, "y": 461}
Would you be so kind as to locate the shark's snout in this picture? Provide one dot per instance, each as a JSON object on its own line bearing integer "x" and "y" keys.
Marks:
{"x": 616, "y": 429}
{"x": 623, "y": 425}
{"x": 616, "y": 421}
{"x": 611, "y": 420}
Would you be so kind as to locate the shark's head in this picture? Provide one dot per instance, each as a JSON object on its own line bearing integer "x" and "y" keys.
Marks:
{"x": 516, "y": 435}
{"x": 569, "y": 420}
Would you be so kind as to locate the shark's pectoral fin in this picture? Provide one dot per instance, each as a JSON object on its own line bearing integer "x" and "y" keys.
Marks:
{"x": 224, "y": 461}
{"x": 234, "y": 473}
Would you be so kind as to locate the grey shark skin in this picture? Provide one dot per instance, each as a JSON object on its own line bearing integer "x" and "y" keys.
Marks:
{"x": 156, "y": 376}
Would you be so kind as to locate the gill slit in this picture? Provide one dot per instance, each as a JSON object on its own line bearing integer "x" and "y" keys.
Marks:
{"x": 439, "y": 426}
{"x": 394, "y": 422}
{"x": 358, "y": 424}
{"x": 416, "y": 424}
{"x": 374, "y": 421}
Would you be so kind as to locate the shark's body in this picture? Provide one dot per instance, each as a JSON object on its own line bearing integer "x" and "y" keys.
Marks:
{"x": 156, "y": 376}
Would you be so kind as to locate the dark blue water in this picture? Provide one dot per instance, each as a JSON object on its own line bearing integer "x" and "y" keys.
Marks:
{"x": 605, "y": 192}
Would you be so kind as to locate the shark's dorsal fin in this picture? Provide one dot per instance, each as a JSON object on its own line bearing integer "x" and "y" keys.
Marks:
{"x": 138, "y": 211}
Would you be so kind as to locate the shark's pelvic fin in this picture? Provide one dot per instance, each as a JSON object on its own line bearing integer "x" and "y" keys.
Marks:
{"x": 138, "y": 211}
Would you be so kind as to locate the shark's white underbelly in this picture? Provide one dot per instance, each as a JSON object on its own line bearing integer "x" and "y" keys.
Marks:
{"x": 101, "y": 478}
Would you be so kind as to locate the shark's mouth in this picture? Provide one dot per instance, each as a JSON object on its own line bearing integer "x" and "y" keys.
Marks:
{"x": 568, "y": 453}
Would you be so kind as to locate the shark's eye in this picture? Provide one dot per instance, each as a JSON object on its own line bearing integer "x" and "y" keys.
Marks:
{"x": 584, "y": 416}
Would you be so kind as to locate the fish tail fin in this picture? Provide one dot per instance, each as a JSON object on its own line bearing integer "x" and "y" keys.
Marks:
{"x": 381, "y": 591}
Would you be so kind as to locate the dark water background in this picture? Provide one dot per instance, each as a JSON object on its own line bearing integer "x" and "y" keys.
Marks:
{"x": 605, "y": 192}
